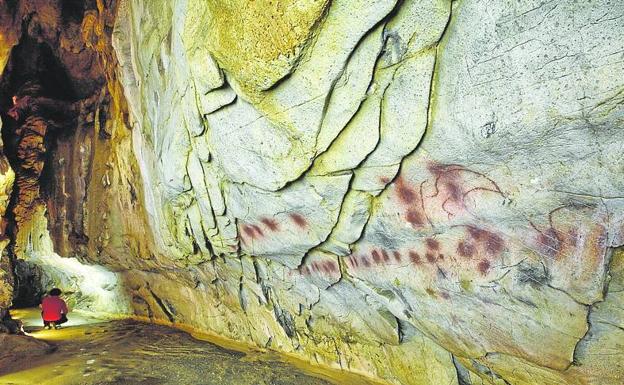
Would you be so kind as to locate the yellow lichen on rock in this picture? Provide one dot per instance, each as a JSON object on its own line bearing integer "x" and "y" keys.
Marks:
{"x": 258, "y": 42}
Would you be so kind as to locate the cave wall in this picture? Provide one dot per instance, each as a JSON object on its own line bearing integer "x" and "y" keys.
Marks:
{"x": 7, "y": 176}
{"x": 422, "y": 191}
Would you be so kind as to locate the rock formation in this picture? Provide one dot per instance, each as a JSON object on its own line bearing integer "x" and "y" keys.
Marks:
{"x": 7, "y": 178}
{"x": 423, "y": 191}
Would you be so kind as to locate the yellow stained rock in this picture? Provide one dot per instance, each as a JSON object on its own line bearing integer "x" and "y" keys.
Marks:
{"x": 258, "y": 42}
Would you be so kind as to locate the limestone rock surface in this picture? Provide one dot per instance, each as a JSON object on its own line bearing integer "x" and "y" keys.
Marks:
{"x": 421, "y": 191}
{"x": 432, "y": 171}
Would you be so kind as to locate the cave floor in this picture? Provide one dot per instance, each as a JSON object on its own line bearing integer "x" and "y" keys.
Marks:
{"x": 90, "y": 351}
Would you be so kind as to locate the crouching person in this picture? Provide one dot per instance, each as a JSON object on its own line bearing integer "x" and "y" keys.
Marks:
{"x": 53, "y": 310}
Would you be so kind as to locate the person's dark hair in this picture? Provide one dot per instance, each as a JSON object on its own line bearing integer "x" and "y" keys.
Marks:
{"x": 55, "y": 292}
{"x": 30, "y": 88}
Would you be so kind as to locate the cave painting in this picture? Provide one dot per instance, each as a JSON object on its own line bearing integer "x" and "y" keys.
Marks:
{"x": 477, "y": 249}
{"x": 447, "y": 236}
{"x": 441, "y": 200}
{"x": 320, "y": 267}
{"x": 445, "y": 192}
{"x": 249, "y": 232}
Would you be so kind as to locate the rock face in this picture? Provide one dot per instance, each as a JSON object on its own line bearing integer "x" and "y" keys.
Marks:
{"x": 7, "y": 177}
{"x": 6, "y": 285}
{"x": 423, "y": 191}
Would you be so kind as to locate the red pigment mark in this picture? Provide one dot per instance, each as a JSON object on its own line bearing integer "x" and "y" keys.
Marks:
{"x": 354, "y": 261}
{"x": 384, "y": 179}
{"x": 465, "y": 249}
{"x": 454, "y": 191}
{"x": 432, "y": 244}
{"x": 447, "y": 174}
{"x": 476, "y": 233}
{"x": 331, "y": 266}
{"x": 365, "y": 261}
{"x": 549, "y": 242}
{"x": 414, "y": 257}
{"x": 258, "y": 230}
{"x": 397, "y": 255}
{"x": 315, "y": 267}
{"x": 430, "y": 257}
{"x": 441, "y": 257}
{"x": 376, "y": 257}
{"x": 445, "y": 295}
{"x": 270, "y": 223}
{"x": 414, "y": 218}
{"x": 299, "y": 220}
{"x": 436, "y": 169}
{"x": 406, "y": 194}
{"x": 494, "y": 244}
{"x": 484, "y": 266}
{"x": 249, "y": 231}
{"x": 385, "y": 255}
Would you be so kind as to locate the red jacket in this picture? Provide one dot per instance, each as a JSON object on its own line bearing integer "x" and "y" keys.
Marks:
{"x": 52, "y": 308}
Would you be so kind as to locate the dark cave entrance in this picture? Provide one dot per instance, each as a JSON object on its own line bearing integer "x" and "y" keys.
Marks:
{"x": 32, "y": 71}
{"x": 45, "y": 94}
{"x": 53, "y": 104}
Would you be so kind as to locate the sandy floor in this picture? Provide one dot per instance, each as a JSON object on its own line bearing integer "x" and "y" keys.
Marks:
{"x": 91, "y": 351}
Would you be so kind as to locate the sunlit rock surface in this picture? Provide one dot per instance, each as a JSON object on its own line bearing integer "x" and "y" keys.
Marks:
{"x": 426, "y": 192}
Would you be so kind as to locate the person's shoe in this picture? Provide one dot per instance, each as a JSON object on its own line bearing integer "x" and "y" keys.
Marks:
{"x": 56, "y": 327}
{"x": 47, "y": 327}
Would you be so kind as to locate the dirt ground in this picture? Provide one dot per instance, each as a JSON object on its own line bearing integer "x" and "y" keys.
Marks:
{"x": 90, "y": 351}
